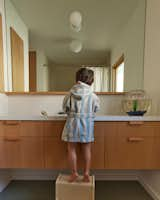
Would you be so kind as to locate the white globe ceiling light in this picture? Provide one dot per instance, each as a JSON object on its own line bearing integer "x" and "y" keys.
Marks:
{"x": 76, "y": 46}
{"x": 76, "y": 21}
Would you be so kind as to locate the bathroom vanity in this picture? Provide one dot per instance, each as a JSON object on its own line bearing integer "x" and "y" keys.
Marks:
{"x": 121, "y": 142}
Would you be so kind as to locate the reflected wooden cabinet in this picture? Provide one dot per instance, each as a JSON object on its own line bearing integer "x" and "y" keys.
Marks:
{"x": 118, "y": 145}
{"x": 17, "y": 60}
{"x": 32, "y": 71}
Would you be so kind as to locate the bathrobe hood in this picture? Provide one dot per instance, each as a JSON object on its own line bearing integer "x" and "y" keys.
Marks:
{"x": 80, "y": 90}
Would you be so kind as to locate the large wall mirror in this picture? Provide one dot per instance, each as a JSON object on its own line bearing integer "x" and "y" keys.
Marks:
{"x": 54, "y": 38}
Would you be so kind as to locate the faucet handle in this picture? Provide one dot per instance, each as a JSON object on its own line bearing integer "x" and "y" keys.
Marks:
{"x": 44, "y": 113}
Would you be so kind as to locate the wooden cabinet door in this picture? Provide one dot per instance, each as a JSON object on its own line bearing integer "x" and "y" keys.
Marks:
{"x": 32, "y": 152}
{"x": 131, "y": 146}
{"x": 55, "y": 153}
{"x": 10, "y": 145}
{"x": 98, "y": 154}
{"x": 2, "y": 158}
{"x": 1, "y": 129}
{"x": 22, "y": 145}
{"x": 32, "y": 129}
{"x": 32, "y": 144}
{"x": 54, "y": 149}
{"x": 27, "y": 152}
{"x": 156, "y": 147}
{"x": 110, "y": 129}
{"x": 97, "y": 149}
{"x": 10, "y": 153}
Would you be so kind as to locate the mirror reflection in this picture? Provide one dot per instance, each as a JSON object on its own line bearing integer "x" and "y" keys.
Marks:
{"x": 48, "y": 41}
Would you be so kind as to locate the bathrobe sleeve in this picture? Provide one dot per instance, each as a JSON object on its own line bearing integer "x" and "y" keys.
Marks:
{"x": 66, "y": 103}
{"x": 96, "y": 103}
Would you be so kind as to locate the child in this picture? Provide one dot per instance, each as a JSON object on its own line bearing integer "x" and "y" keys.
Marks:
{"x": 80, "y": 105}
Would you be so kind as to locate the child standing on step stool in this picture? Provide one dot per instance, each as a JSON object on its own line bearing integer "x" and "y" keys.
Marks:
{"x": 80, "y": 104}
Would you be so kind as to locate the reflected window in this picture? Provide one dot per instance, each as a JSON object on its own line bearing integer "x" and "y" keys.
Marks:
{"x": 120, "y": 78}
{"x": 118, "y": 75}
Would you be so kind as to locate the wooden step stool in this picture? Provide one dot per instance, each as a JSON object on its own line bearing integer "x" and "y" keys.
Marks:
{"x": 77, "y": 190}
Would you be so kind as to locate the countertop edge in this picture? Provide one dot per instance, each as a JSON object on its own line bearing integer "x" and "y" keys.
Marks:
{"x": 97, "y": 118}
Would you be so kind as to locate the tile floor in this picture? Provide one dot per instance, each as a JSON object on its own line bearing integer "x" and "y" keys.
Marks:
{"x": 45, "y": 190}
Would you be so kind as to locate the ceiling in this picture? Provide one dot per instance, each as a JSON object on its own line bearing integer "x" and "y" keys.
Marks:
{"x": 48, "y": 23}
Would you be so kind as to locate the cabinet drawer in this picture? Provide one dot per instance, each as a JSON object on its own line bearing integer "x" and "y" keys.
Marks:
{"x": 1, "y": 129}
{"x": 135, "y": 129}
{"x": 55, "y": 152}
{"x": 130, "y": 152}
{"x": 99, "y": 129}
{"x": 10, "y": 153}
{"x": 32, "y": 128}
{"x": 32, "y": 152}
{"x": 11, "y": 129}
{"x": 53, "y": 128}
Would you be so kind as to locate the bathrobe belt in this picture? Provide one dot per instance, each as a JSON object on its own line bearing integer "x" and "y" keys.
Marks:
{"x": 81, "y": 115}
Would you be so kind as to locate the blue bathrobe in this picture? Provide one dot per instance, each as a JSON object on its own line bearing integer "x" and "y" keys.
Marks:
{"x": 80, "y": 104}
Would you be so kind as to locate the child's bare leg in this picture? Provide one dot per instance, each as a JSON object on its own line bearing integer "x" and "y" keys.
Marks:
{"x": 86, "y": 148}
{"x": 72, "y": 158}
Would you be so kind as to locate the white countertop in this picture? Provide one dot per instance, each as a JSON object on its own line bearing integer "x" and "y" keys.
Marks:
{"x": 97, "y": 118}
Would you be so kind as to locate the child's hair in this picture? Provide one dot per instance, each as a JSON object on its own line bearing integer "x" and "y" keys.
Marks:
{"x": 85, "y": 75}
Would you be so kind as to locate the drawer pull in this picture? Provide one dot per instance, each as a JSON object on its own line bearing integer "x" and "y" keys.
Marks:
{"x": 136, "y": 122}
{"x": 11, "y": 123}
{"x": 12, "y": 139}
{"x": 135, "y": 139}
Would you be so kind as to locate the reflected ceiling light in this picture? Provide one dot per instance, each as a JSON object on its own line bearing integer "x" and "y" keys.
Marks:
{"x": 76, "y": 20}
{"x": 76, "y": 46}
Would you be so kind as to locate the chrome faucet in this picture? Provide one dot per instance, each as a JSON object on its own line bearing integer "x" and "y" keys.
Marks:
{"x": 44, "y": 114}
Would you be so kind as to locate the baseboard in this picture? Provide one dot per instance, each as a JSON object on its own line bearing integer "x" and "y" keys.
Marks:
{"x": 149, "y": 189}
{"x": 25, "y": 174}
{"x": 52, "y": 174}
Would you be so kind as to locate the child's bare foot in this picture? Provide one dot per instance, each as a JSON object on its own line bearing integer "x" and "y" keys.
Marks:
{"x": 86, "y": 178}
{"x": 73, "y": 177}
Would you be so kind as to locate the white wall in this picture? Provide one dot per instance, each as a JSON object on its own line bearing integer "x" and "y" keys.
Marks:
{"x": 3, "y": 104}
{"x": 130, "y": 41}
{"x": 2, "y": 11}
{"x": 152, "y": 77}
{"x": 5, "y": 177}
{"x": 33, "y": 105}
{"x": 62, "y": 77}
{"x": 14, "y": 20}
{"x": 42, "y": 71}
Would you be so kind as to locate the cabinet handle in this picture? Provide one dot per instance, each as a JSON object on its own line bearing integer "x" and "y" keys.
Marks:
{"x": 11, "y": 139}
{"x": 135, "y": 139}
{"x": 11, "y": 123}
{"x": 135, "y": 122}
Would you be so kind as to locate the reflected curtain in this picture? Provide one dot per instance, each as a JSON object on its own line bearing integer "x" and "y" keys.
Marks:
{"x": 101, "y": 78}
